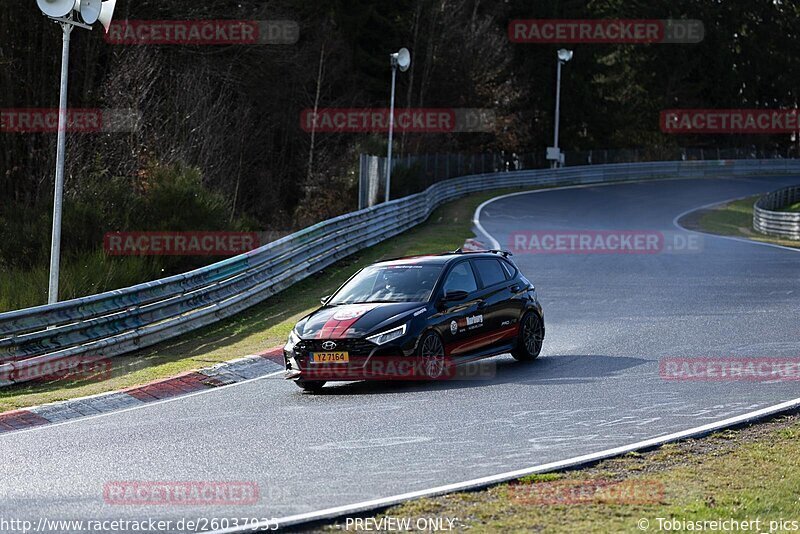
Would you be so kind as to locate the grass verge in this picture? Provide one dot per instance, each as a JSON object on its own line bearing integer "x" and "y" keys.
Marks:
{"x": 732, "y": 219}
{"x": 745, "y": 474}
{"x": 91, "y": 274}
{"x": 261, "y": 327}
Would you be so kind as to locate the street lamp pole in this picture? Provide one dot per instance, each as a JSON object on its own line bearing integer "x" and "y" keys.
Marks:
{"x": 58, "y": 198}
{"x": 391, "y": 133}
{"x": 64, "y": 12}
{"x": 554, "y": 153}
{"x": 402, "y": 60}
{"x": 558, "y": 107}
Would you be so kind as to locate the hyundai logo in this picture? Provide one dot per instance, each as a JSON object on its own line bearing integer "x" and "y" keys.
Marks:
{"x": 329, "y": 345}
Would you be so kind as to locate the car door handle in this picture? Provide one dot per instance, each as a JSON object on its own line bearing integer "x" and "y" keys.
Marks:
{"x": 514, "y": 288}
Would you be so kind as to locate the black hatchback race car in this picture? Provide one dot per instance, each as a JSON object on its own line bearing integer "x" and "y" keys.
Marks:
{"x": 417, "y": 318}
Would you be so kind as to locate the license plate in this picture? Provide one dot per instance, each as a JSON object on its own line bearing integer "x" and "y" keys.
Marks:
{"x": 330, "y": 357}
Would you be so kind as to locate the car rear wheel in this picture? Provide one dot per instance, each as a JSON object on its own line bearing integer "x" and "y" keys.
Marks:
{"x": 310, "y": 386}
{"x": 531, "y": 337}
{"x": 431, "y": 355}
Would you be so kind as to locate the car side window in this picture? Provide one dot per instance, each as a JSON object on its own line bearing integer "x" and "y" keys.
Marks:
{"x": 510, "y": 270}
{"x": 490, "y": 272}
{"x": 461, "y": 278}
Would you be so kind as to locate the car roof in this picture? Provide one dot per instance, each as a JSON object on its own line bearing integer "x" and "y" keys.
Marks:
{"x": 441, "y": 259}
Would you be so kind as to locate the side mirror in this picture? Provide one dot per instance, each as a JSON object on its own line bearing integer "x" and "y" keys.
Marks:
{"x": 324, "y": 300}
{"x": 455, "y": 296}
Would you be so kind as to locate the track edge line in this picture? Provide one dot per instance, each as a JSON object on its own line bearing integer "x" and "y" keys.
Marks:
{"x": 483, "y": 482}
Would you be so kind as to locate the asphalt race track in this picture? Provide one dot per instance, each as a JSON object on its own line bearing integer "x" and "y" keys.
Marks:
{"x": 610, "y": 319}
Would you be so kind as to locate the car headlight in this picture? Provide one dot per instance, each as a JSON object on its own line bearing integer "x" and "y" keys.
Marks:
{"x": 389, "y": 335}
{"x": 294, "y": 339}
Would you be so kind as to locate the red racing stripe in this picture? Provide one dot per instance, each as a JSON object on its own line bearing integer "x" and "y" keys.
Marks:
{"x": 485, "y": 339}
{"x": 342, "y": 320}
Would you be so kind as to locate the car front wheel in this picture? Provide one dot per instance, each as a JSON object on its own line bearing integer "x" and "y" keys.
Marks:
{"x": 431, "y": 355}
{"x": 531, "y": 337}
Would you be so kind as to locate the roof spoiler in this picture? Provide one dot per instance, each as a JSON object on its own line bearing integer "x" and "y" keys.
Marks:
{"x": 503, "y": 253}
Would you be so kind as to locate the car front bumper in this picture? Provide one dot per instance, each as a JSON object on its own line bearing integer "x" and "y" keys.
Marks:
{"x": 366, "y": 361}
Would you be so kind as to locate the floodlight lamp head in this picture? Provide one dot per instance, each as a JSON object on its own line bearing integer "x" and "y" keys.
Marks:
{"x": 107, "y": 13}
{"x": 56, "y": 8}
{"x": 401, "y": 59}
{"x": 564, "y": 55}
{"x": 89, "y": 10}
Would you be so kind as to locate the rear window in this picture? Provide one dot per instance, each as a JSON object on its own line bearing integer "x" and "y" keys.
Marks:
{"x": 490, "y": 271}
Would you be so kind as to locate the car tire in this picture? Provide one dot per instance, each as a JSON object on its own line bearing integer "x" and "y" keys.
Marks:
{"x": 530, "y": 339}
{"x": 431, "y": 356}
{"x": 310, "y": 386}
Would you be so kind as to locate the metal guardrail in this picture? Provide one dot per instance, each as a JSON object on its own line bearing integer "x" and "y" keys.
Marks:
{"x": 412, "y": 173}
{"x": 125, "y": 320}
{"x": 778, "y": 223}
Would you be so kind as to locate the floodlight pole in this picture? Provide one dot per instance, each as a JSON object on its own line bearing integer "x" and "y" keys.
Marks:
{"x": 554, "y": 154}
{"x": 391, "y": 132}
{"x": 558, "y": 107}
{"x": 58, "y": 198}
{"x": 63, "y": 13}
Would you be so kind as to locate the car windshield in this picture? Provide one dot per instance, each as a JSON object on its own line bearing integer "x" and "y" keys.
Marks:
{"x": 390, "y": 283}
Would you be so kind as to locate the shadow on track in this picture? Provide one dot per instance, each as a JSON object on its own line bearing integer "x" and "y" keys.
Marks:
{"x": 547, "y": 370}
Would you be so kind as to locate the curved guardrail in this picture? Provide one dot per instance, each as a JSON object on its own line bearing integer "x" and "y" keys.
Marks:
{"x": 778, "y": 223}
{"x": 126, "y": 320}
